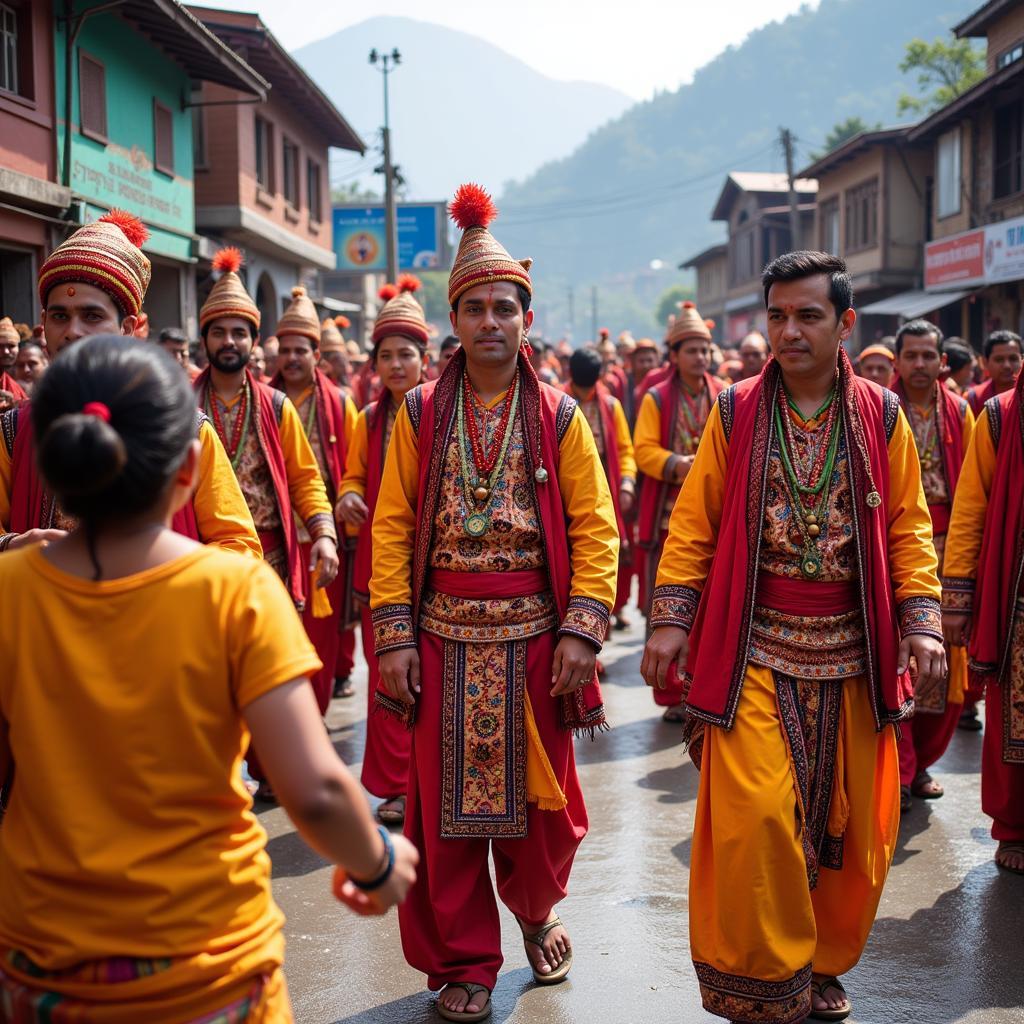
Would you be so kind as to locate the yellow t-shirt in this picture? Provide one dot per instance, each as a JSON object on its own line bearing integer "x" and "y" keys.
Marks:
{"x": 130, "y": 832}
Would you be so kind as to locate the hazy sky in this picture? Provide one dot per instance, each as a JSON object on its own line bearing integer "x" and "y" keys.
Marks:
{"x": 638, "y": 46}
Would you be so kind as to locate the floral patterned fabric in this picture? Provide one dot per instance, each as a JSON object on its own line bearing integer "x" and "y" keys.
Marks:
{"x": 475, "y": 619}
{"x": 822, "y": 647}
{"x": 1013, "y": 694}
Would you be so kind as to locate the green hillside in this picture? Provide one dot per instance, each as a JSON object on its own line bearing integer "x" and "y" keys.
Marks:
{"x": 641, "y": 188}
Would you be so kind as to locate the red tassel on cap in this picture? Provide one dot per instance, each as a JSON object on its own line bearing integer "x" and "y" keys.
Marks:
{"x": 228, "y": 259}
{"x": 688, "y": 305}
{"x": 134, "y": 230}
{"x": 389, "y": 291}
{"x": 343, "y": 322}
{"x": 409, "y": 283}
{"x": 472, "y": 207}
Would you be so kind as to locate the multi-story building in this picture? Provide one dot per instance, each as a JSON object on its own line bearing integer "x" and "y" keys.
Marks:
{"x": 124, "y": 127}
{"x": 262, "y": 178}
{"x": 873, "y": 209}
{"x": 755, "y": 207}
{"x": 32, "y": 200}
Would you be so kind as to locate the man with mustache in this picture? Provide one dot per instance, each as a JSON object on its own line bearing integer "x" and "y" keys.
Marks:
{"x": 942, "y": 423}
{"x": 495, "y": 556}
{"x": 797, "y": 586}
{"x": 1002, "y": 364}
{"x": 272, "y": 459}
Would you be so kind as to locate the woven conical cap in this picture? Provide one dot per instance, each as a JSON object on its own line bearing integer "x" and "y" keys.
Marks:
{"x": 687, "y": 324}
{"x": 401, "y": 315}
{"x": 8, "y": 332}
{"x": 300, "y": 317}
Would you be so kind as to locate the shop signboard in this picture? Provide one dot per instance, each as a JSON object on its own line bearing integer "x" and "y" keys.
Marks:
{"x": 360, "y": 239}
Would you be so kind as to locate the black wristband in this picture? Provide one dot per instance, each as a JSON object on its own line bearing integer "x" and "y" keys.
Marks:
{"x": 389, "y": 850}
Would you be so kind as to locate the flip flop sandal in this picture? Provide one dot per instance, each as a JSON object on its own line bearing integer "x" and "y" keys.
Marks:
{"x": 921, "y": 780}
{"x": 391, "y": 816}
{"x": 1010, "y": 847}
{"x": 819, "y": 988}
{"x": 464, "y": 1015}
{"x": 562, "y": 970}
{"x": 906, "y": 800}
{"x": 343, "y": 689}
{"x": 674, "y": 716}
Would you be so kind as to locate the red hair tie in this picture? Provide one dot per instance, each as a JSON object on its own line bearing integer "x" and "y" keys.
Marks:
{"x": 97, "y": 409}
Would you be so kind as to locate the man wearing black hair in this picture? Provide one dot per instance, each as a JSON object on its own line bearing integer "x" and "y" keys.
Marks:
{"x": 942, "y": 424}
{"x": 960, "y": 361}
{"x": 608, "y": 423}
{"x": 1002, "y": 363}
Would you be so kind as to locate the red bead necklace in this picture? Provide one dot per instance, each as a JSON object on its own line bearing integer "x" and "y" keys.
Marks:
{"x": 241, "y": 422}
{"x": 485, "y": 455}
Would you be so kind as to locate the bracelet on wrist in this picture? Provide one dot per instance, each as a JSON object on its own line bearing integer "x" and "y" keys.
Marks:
{"x": 389, "y": 857}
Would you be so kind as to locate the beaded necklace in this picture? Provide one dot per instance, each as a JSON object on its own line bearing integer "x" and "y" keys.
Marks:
{"x": 693, "y": 405}
{"x": 478, "y": 481}
{"x": 809, "y": 482}
{"x": 926, "y": 434}
{"x": 240, "y": 432}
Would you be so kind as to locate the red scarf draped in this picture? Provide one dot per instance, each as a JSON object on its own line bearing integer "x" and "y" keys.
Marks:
{"x": 654, "y": 493}
{"x": 1001, "y": 564}
{"x": 32, "y": 505}
{"x": 979, "y": 395}
{"x": 613, "y": 465}
{"x": 268, "y": 435}
{"x": 376, "y": 421}
{"x": 540, "y": 405}
{"x": 717, "y": 667}
{"x": 951, "y": 419}
{"x": 9, "y": 384}
{"x": 330, "y": 420}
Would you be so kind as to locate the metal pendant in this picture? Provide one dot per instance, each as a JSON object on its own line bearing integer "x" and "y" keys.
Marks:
{"x": 477, "y": 524}
{"x": 481, "y": 493}
{"x": 874, "y": 499}
{"x": 541, "y": 476}
{"x": 810, "y": 564}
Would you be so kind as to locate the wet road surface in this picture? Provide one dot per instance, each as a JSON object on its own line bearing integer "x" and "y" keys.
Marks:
{"x": 948, "y": 945}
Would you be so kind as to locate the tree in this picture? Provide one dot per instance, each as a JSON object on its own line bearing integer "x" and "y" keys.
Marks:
{"x": 843, "y": 132}
{"x": 945, "y": 70}
{"x": 668, "y": 304}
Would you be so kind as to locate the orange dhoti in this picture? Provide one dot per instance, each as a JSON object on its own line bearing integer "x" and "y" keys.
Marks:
{"x": 758, "y": 924}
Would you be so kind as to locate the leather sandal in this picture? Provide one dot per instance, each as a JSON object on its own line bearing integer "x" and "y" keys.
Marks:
{"x": 906, "y": 800}
{"x": 466, "y": 1015}
{"x": 918, "y": 787}
{"x": 675, "y": 715}
{"x": 537, "y": 938}
{"x": 1009, "y": 846}
{"x": 819, "y": 988}
{"x": 392, "y": 815}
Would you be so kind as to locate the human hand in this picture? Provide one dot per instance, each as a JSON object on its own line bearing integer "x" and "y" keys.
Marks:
{"x": 391, "y": 893}
{"x": 23, "y": 540}
{"x": 572, "y": 666}
{"x": 626, "y": 499}
{"x": 325, "y": 554}
{"x": 930, "y": 656}
{"x": 351, "y": 509}
{"x": 956, "y": 628}
{"x": 666, "y": 644}
{"x": 400, "y": 673}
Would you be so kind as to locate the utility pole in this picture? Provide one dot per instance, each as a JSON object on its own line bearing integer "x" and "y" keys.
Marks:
{"x": 593, "y": 312}
{"x": 786, "y": 137}
{"x": 388, "y": 62}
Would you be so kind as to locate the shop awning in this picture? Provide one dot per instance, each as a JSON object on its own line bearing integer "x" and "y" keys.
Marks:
{"x": 913, "y": 304}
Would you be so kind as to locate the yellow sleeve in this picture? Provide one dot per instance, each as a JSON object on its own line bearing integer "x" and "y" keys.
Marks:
{"x": 627, "y": 460}
{"x": 5, "y": 488}
{"x": 913, "y": 565}
{"x": 590, "y": 515}
{"x": 351, "y": 414}
{"x": 651, "y": 459}
{"x": 223, "y": 518}
{"x": 355, "y": 458}
{"x": 693, "y": 530}
{"x": 967, "y": 523}
{"x": 394, "y": 519}
{"x": 305, "y": 484}
{"x": 968, "y": 429}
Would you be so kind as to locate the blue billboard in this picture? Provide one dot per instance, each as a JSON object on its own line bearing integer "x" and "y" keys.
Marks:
{"x": 359, "y": 237}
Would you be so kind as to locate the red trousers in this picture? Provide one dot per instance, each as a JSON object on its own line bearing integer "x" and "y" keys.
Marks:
{"x": 924, "y": 740}
{"x": 624, "y": 585}
{"x": 346, "y": 660}
{"x": 388, "y": 741}
{"x": 1002, "y": 784}
{"x": 323, "y": 635}
{"x": 449, "y": 921}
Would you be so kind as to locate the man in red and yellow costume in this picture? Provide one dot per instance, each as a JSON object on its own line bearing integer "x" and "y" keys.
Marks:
{"x": 328, "y": 420}
{"x": 669, "y": 426}
{"x": 942, "y": 423}
{"x": 495, "y": 555}
{"x": 797, "y": 582}
{"x": 269, "y": 452}
{"x": 94, "y": 283}
{"x": 10, "y": 340}
{"x": 983, "y": 606}
{"x": 1002, "y": 364}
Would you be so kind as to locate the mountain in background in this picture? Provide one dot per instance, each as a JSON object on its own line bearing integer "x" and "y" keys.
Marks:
{"x": 641, "y": 188}
{"x": 461, "y": 109}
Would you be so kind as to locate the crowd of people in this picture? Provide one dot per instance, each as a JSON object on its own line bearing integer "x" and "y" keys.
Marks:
{"x": 827, "y": 554}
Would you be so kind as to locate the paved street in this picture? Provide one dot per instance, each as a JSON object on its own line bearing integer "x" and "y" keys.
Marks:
{"x": 946, "y": 947}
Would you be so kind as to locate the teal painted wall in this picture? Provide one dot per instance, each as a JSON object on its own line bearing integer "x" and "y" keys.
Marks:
{"x": 121, "y": 173}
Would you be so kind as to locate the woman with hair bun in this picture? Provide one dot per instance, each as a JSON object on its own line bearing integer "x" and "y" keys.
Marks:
{"x": 128, "y": 722}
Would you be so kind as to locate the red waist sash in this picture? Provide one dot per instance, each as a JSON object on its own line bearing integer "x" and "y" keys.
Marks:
{"x": 940, "y": 519}
{"x": 805, "y": 597}
{"x": 484, "y": 585}
{"x": 270, "y": 540}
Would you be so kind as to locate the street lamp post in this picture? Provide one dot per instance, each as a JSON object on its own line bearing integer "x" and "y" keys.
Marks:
{"x": 386, "y": 63}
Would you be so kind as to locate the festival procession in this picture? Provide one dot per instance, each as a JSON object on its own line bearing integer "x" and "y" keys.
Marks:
{"x": 389, "y": 637}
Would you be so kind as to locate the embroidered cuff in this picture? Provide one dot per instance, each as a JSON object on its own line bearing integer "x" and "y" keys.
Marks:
{"x": 920, "y": 615}
{"x": 322, "y": 525}
{"x": 392, "y": 628}
{"x": 5, "y": 540}
{"x": 587, "y": 619}
{"x": 674, "y": 606}
{"x": 957, "y": 593}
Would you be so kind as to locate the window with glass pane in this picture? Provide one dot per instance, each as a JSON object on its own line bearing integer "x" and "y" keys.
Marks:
{"x": 8, "y": 48}
{"x": 862, "y": 216}
{"x": 948, "y": 155}
{"x": 830, "y": 226}
{"x": 313, "y": 189}
{"x": 291, "y": 172}
{"x": 1008, "y": 150}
